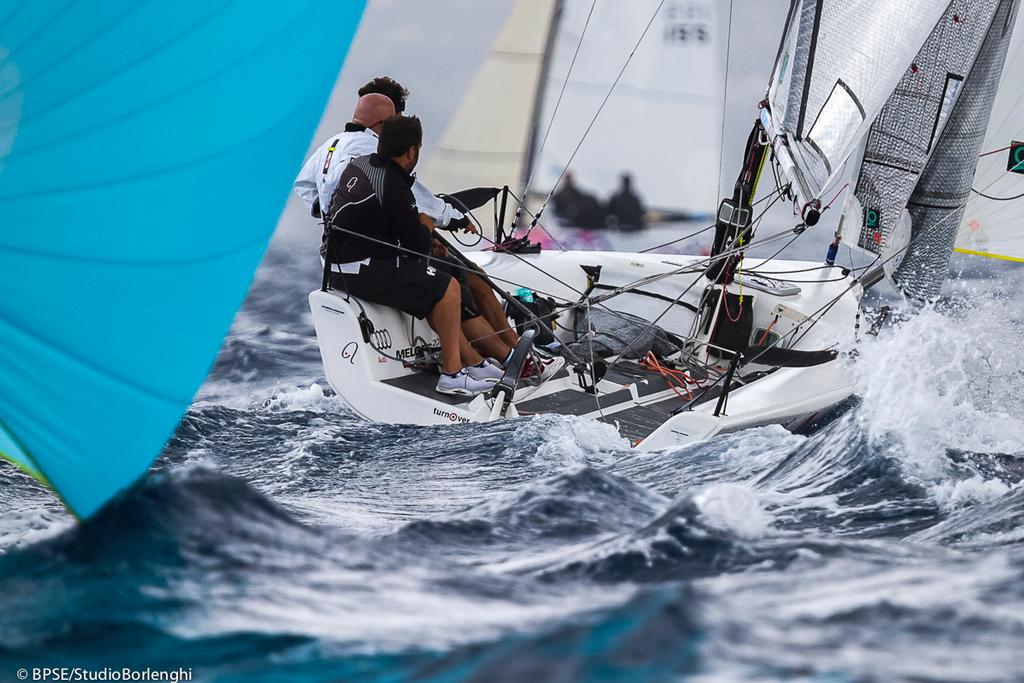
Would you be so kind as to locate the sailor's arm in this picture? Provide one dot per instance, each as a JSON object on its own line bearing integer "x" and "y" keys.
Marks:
{"x": 439, "y": 210}
{"x": 399, "y": 206}
{"x": 305, "y": 185}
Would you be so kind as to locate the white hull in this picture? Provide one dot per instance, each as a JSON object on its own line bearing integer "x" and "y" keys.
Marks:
{"x": 384, "y": 390}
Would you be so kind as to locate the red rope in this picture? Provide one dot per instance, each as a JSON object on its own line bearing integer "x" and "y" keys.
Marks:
{"x": 678, "y": 380}
{"x": 767, "y": 330}
{"x": 725, "y": 306}
{"x": 995, "y": 151}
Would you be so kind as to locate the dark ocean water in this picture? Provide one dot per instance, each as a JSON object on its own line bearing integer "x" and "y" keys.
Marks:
{"x": 279, "y": 538}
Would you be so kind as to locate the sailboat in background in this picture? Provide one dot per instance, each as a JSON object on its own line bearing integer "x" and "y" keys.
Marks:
{"x": 547, "y": 74}
{"x": 146, "y": 151}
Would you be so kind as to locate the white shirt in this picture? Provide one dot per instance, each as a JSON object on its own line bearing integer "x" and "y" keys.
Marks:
{"x": 321, "y": 172}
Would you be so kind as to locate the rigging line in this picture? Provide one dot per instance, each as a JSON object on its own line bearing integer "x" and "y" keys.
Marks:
{"x": 997, "y": 199}
{"x": 558, "y": 102}
{"x": 995, "y": 151}
{"x": 725, "y": 97}
{"x": 535, "y": 220}
{"x": 952, "y": 212}
{"x": 677, "y": 240}
{"x": 712, "y": 226}
{"x": 686, "y": 291}
{"x": 597, "y": 113}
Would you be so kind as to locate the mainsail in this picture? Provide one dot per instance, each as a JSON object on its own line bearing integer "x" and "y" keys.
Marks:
{"x": 146, "y": 150}
{"x": 919, "y": 159}
{"x": 838, "y": 63}
{"x": 662, "y": 122}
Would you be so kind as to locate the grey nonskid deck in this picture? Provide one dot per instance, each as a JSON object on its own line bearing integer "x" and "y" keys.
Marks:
{"x": 563, "y": 396}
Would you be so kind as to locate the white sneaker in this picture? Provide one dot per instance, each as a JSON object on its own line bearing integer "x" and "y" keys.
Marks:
{"x": 462, "y": 384}
{"x": 488, "y": 371}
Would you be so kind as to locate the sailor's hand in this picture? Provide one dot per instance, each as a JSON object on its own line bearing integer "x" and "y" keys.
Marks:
{"x": 463, "y": 224}
{"x": 427, "y": 221}
{"x": 438, "y": 250}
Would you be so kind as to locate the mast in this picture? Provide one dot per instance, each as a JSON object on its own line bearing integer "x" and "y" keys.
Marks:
{"x": 538, "y": 100}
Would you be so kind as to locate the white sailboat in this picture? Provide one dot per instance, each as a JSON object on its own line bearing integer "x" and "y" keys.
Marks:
{"x": 547, "y": 74}
{"x": 757, "y": 339}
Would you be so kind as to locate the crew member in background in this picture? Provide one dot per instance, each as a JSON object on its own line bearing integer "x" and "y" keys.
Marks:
{"x": 625, "y": 208}
{"x": 576, "y": 208}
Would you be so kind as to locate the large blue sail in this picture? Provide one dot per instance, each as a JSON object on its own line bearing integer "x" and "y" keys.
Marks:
{"x": 146, "y": 151}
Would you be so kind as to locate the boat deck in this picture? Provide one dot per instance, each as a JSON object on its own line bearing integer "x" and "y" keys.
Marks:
{"x": 635, "y": 399}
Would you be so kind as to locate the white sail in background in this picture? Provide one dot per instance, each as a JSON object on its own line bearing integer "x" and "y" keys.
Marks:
{"x": 662, "y": 123}
{"x": 996, "y": 228}
{"x": 487, "y": 141}
{"x": 838, "y": 64}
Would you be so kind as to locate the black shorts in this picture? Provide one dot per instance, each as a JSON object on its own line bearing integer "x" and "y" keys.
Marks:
{"x": 458, "y": 271}
{"x": 411, "y": 285}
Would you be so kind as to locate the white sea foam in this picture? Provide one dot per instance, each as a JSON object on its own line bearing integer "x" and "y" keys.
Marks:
{"x": 945, "y": 380}
{"x": 566, "y": 441}
{"x": 733, "y": 507}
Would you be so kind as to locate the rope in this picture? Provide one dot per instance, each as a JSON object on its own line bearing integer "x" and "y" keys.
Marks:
{"x": 997, "y": 199}
{"x": 678, "y": 380}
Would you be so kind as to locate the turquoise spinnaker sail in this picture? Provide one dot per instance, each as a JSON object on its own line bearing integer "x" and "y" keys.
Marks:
{"x": 146, "y": 151}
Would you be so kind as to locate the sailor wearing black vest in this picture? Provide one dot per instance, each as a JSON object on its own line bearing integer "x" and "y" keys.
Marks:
{"x": 374, "y": 199}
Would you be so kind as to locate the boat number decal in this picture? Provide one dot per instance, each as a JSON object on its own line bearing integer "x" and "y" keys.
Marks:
{"x": 349, "y": 351}
{"x": 381, "y": 339}
{"x": 454, "y": 417}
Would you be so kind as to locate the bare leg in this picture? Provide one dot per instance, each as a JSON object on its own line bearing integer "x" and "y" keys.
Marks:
{"x": 488, "y": 306}
{"x": 468, "y": 353}
{"x": 444, "y": 319}
{"x": 482, "y": 337}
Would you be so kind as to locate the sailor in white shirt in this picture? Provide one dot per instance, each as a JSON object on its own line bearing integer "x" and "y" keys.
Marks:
{"x": 320, "y": 174}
